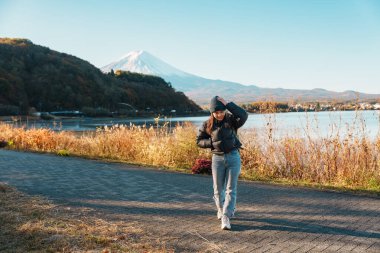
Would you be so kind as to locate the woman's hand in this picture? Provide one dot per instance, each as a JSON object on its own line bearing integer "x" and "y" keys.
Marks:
{"x": 222, "y": 100}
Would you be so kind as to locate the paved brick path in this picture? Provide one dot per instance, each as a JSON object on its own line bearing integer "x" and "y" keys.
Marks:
{"x": 179, "y": 207}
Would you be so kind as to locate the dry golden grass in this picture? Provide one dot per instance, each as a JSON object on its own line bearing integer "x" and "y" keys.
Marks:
{"x": 344, "y": 159}
{"x": 31, "y": 224}
{"x": 348, "y": 159}
{"x": 172, "y": 148}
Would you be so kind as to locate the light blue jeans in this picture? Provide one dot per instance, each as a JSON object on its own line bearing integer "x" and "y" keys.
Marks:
{"x": 225, "y": 174}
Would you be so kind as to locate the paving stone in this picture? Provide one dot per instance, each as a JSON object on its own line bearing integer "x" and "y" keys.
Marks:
{"x": 178, "y": 207}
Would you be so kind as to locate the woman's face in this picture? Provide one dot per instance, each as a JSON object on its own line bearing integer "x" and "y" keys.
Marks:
{"x": 219, "y": 115}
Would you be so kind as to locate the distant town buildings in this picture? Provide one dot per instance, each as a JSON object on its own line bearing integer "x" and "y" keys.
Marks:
{"x": 267, "y": 107}
{"x": 334, "y": 107}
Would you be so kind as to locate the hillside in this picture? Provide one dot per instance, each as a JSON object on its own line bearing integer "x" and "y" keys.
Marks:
{"x": 35, "y": 76}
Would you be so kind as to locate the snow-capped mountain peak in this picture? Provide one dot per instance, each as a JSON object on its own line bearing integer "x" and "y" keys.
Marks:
{"x": 133, "y": 55}
{"x": 202, "y": 89}
{"x": 143, "y": 62}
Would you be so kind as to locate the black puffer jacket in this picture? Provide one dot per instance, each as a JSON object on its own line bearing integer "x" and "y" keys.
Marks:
{"x": 223, "y": 138}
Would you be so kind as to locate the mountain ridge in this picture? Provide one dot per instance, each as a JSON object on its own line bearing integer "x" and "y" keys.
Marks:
{"x": 33, "y": 76}
{"x": 201, "y": 89}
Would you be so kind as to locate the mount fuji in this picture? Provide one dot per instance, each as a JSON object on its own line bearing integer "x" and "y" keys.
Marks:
{"x": 144, "y": 63}
{"x": 202, "y": 89}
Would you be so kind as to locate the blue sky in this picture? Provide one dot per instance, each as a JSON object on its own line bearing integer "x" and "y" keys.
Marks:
{"x": 295, "y": 44}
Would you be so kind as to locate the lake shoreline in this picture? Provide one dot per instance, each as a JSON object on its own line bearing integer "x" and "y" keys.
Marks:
{"x": 292, "y": 123}
{"x": 344, "y": 160}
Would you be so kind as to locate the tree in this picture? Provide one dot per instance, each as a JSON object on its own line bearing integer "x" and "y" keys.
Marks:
{"x": 318, "y": 107}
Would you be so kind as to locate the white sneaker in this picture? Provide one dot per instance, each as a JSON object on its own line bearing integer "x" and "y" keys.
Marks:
{"x": 226, "y": 223}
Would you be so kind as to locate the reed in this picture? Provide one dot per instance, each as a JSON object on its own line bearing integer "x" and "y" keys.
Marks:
{"x": 344, "y": 159}
{"x": 163, "y": 146}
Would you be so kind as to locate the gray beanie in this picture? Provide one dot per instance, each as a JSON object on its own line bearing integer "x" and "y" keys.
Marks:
{"x": 216, "y": 105}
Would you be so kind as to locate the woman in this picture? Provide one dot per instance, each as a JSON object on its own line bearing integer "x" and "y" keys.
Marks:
{"x": 219, "y": 133}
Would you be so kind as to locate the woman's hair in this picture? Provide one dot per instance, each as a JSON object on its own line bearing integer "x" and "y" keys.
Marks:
{"x": 210, "y": 123}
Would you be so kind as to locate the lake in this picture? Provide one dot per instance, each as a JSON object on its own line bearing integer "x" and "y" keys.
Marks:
{"x": 292, "y": 123}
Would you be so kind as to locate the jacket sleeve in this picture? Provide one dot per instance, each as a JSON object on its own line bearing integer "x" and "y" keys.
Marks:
{"x": 240, "y": 115}
{"x": 203, "y": 138}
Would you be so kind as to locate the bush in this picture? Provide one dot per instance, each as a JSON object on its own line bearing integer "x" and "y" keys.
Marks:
{"x": 202, "y": 166}
{"x": 63, "y": 152}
